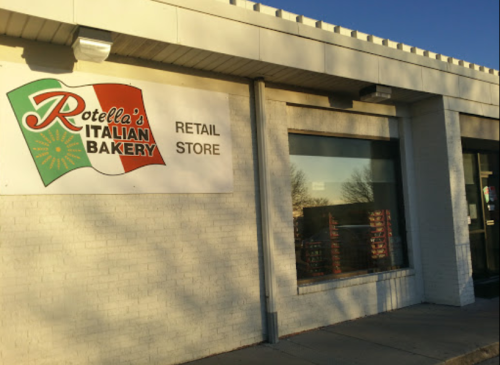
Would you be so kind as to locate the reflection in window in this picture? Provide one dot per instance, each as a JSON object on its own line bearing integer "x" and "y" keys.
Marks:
{"x": 472, "y": 192}
{"x": 346, "y": 207}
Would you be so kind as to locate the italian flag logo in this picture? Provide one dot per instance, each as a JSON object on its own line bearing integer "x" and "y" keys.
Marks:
{"x": 102, "y": 126}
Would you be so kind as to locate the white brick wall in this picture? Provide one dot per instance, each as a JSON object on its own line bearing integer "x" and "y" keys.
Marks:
{"x": 163, "y": 279}
{"x": 133, "y": 279}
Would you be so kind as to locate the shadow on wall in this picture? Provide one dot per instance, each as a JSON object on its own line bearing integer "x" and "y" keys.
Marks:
{"x": 295, "y": 312}
{"x": 43, "y": 57}
{"x": 153, "y": 279}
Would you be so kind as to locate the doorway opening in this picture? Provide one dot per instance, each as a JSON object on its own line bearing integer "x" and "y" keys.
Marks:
{"x": 481, "y": 168}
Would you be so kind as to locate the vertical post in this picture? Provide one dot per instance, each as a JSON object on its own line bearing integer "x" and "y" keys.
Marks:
{"x": 411, "y": 202}
{"x": 442, "y": 204}
{"x": 265, "y": 204}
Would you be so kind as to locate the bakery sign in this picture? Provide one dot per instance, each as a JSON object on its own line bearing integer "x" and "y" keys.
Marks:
{"x": 106, "y": 138}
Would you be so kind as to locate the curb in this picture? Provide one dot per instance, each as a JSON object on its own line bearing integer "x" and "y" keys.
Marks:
{"x": 476, "y": 356}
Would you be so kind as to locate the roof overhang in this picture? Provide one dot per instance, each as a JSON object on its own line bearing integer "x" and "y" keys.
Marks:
{"x": 220, "y": 38}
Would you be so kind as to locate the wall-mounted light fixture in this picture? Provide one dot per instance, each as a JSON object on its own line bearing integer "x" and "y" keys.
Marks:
{"x": 375, "y": 93}
{"x": 93, "y": 45}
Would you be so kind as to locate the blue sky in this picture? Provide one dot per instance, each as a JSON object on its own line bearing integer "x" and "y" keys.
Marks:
{"x": 464, "y": 29}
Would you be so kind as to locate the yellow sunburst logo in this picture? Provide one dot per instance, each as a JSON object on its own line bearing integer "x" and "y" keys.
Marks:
{"x": 58, "y": 151}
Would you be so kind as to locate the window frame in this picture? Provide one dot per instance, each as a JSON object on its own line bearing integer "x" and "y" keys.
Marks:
{"x": 398, "y": 171}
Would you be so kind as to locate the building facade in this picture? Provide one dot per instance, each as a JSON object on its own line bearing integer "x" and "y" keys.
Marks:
{"x": 230, "y": 174}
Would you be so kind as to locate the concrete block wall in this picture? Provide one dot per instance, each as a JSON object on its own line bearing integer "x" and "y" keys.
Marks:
{"x": 134, "y": 279}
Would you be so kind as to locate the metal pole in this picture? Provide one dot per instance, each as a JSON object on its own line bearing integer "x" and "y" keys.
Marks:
{"x": 265, "y": 204}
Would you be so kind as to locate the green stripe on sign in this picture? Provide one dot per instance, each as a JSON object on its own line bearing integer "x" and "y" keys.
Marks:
{"x": 55, "y": 151}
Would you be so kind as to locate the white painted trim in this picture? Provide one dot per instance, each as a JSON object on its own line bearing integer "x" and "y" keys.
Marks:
{"x": 355, "y": 281}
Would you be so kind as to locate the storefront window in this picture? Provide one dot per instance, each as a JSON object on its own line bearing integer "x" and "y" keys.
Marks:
{"x": 346, "y": 207}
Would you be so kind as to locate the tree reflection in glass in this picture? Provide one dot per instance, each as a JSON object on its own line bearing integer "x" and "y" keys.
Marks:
{"x": 346, "y": 208}
{"x": 359, "y": 187}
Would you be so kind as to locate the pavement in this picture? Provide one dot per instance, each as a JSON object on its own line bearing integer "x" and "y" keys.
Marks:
{"x": 423, "y": 334}
{"x": 492, "y": 361}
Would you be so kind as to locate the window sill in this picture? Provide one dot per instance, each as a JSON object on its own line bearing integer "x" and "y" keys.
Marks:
{"x": 354, "y": 281}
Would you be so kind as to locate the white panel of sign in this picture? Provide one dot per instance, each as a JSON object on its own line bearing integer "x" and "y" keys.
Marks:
{"x": 81, "y": 133}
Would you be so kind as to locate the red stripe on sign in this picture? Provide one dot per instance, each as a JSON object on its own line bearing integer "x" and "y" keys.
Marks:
{"x": 129, "y": 125}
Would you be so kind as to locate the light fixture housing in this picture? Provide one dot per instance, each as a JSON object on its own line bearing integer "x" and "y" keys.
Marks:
{"x": 375, "y": 94}
{"x": 93, "y": 45}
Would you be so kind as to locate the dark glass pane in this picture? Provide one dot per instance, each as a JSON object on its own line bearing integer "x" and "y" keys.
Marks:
{"x": 307, "y": 145}
{"x": 477, "y": 248}
{"x": 482, "y": 186}
{"x": 474, "y": 203}
{"x": 491, "y": 205}
{"x": 492, "y": 248}
{"x": 346, "y": 206}
{"x": 489, "y": 162}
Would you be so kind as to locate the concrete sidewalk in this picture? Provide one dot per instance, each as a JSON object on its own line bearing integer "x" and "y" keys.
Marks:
{"x": 424, "y": 334}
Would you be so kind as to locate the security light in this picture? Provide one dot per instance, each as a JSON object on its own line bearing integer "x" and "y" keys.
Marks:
{"x": 93, "y": 45}
{"x": 375, "y": 94}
